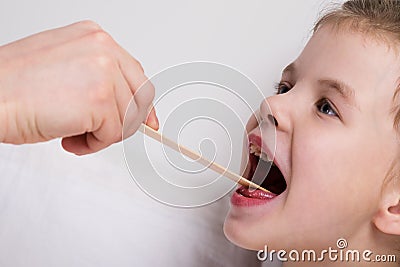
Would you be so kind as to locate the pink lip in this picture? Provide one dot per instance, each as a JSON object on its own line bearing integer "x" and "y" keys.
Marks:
{"x": 243, "y": 197}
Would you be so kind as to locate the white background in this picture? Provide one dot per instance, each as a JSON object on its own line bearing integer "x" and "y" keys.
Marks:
{"x": 60, "y": 210}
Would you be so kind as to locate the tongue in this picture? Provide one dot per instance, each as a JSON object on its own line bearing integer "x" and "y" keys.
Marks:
{"x": 251, "y": 193}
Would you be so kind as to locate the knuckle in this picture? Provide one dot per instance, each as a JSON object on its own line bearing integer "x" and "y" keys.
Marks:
{"x": 139, "y": 65}
{"x": 100, "y": 84}
{"x": 103, "y": 62}
{"x": 100, "y": 94}
{"x": 89, "y": 24}
{"x": 102, "y": 38}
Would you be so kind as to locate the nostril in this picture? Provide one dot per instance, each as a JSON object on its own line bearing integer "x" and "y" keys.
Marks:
{"x": 273, "y": 120}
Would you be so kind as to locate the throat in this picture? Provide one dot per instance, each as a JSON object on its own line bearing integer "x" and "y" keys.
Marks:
{"x": 267, "y": 175}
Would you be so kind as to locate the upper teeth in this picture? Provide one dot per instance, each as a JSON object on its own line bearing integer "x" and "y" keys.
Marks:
{"x": 256, "y": 150}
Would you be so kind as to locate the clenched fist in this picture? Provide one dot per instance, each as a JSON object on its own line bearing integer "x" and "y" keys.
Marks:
{"x": 75, "y": 83}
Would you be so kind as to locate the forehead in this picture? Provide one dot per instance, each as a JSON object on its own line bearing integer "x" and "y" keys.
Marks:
{"x": 369, "y": 66}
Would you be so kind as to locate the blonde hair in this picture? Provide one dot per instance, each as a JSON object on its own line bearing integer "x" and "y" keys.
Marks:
{"x": 370, "y": 16}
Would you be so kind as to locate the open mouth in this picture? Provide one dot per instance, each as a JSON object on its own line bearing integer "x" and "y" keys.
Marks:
{"x": 262, "y": 170}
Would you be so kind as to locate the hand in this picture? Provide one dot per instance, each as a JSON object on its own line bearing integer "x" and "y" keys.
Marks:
{"x": 73, "y": 82}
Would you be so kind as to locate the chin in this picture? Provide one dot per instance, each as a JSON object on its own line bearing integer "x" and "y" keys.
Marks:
{"x": 240, "y": 236}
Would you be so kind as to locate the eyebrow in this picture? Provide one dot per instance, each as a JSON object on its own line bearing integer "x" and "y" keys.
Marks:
{"x": 343, "y": 89}
{"x": 289, "y": 68}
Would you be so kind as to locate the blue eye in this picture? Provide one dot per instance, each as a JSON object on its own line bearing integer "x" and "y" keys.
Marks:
{"x": 281, "y": 88}
{"x": 325, "y": 107}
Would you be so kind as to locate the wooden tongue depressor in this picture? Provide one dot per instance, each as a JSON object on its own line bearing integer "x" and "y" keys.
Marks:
{"x": 195, "y": 156}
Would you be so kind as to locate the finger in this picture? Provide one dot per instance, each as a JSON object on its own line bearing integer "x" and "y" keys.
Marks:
{"x": 141, "y": 88}
{"x": 140, "y": 85}
{"x": 131, "y": 69}
{"x": 76, "y": 144}
{"x": 118, "y": 111}
{"x": 111, "y": 130}
{"x": 135, "y": 115}
{"x": 123, "y": 95}
{"x": 87, "y": 143}
{"x": 107, "y": 127}
{"x": 83, "y": 144}
{"x": 130, "y": 115}
{"x": 152, "y": 119}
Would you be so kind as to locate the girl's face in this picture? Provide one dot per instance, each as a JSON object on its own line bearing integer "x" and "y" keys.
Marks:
{"x": 335, "y": 143}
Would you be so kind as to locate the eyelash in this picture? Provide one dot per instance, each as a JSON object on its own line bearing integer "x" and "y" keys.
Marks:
{"x": 278, "y": 87}
{"x": 320, "y": 103}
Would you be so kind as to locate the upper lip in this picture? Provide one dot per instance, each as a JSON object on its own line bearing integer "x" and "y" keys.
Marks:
{"x": 255, "y": 138}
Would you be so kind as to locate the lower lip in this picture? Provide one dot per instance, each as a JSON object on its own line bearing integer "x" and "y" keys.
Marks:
{"x": 260, "y": 198}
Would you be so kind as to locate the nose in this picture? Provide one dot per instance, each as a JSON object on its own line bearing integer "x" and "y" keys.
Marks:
{"x": 275, "y": 110}
{"x": 272, "y": 120}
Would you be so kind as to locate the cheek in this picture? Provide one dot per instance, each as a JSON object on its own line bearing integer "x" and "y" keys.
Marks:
{"x": 335, "y": 179}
